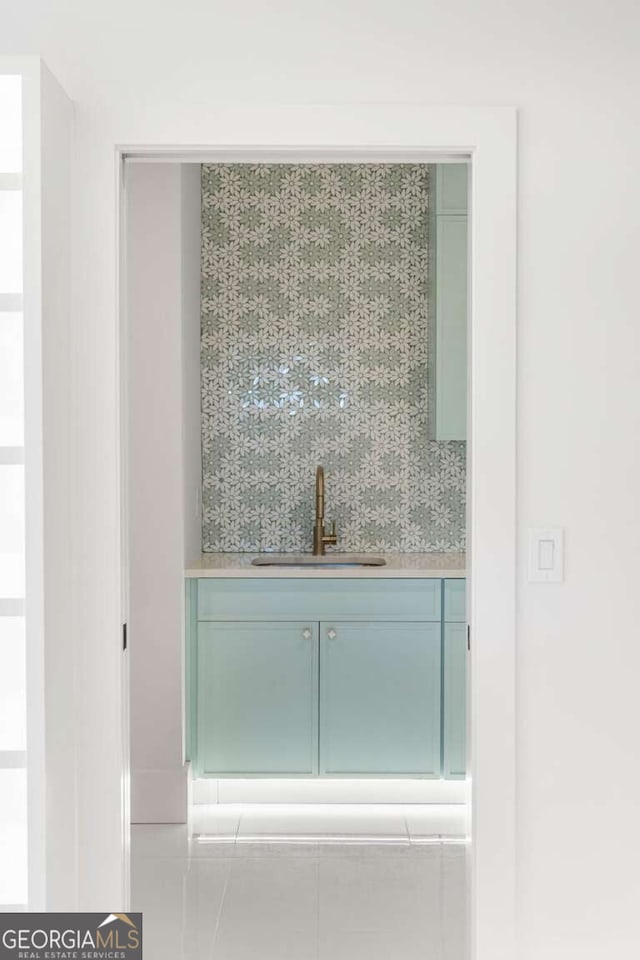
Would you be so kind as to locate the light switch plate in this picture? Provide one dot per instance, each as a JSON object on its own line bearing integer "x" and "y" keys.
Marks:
{"x": 546, "y": 555}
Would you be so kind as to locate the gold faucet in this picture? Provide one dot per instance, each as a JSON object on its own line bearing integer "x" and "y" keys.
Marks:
{"x": 320, "y": 538}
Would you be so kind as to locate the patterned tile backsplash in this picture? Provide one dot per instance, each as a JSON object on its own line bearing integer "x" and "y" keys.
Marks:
{"x": 315, "y": 349}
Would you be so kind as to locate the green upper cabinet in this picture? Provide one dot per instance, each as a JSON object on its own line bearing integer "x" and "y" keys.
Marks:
{"x": 452, "y": 188}
{"x": 257, "y": 699}
{"x": 380, "y": 699}
{"x": 449, "y": 297}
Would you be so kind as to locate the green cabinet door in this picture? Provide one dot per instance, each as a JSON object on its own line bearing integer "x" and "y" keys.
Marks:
{"x": 449, "y": 292}
{"x": 455, "y": 701}
{"x": 380, "y": 699}
{"x": 257, "y": 699}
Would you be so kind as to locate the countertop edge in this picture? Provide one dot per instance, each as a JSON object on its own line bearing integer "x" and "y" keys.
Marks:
{"x": 234, "y": 566}
{"x": 283, "y": 573}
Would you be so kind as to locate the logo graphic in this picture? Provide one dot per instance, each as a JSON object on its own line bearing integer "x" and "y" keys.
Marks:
{"x": 70, "y": 936}
{"x": 118, "y": 916}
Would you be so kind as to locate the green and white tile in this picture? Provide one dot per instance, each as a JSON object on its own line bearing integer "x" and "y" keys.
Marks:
{"x": 315, "y": 349}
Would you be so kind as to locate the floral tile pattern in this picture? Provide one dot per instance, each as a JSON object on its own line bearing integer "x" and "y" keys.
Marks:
{"x": 315, "y": 349}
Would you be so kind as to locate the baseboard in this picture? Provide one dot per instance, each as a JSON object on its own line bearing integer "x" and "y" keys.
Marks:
{"x": 160, "y": 796}
{"x": 321, "y": 790}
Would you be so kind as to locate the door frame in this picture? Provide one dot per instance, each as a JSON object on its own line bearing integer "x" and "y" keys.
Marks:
{"x": 486, "y": 136}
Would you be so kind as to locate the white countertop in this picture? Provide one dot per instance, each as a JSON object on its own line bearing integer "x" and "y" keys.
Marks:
{"x": 415, "y": 565}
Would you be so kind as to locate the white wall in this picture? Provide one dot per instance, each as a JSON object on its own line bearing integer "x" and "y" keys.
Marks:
{"x": 60, "y": 655}
{"x": 50, "y": 653}
{"x": 191, "y": 438}
{"x": 571, "y": 67}
{"x": 163, "y": 319}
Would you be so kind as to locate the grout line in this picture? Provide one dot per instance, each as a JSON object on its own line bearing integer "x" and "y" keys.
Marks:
{"x": 317, "y": 908}
{"x": 220, "y": 908}
{"x": 406, "y": 826}
{"x": 441, "y": 912}
{"x": 334, "y": 833}
{"x": 236, "y": 837}
{"x": 185, "y": 904}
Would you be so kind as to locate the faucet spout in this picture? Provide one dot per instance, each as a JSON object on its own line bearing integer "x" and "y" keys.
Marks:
{"x": 320, "y": 538}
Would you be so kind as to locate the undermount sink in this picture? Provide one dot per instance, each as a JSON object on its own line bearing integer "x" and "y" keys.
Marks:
{"x": 309, "y": 560}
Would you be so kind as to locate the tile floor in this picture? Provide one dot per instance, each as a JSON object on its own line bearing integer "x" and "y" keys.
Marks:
{"x": 304, "y": 882}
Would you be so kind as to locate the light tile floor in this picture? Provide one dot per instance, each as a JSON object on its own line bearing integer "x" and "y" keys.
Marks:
{"x": 304, "y": 882}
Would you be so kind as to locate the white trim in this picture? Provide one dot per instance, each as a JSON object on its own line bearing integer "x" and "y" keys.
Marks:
{"x": 31, "y": 305}
{"x": 489, "y": 135}
{"x": 491, "y": 550}
{"x": 12, "y": 608}
{"x": 325, "y": 790}
{"x": 123, "y": 427}
{"x": 10, "y": 302}
{"x": 10, "y": 456}
{"x": 13, "y": 759}
{"x": 159, "y": 796}
{"x": 240, "y": 154}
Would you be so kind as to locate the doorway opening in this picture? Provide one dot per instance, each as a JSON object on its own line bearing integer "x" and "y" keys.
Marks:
{"x": 278, "y": 316}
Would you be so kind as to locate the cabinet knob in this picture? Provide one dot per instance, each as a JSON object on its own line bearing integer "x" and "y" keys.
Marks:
{"x": 331, "y": 633}
{"x": 306, "y": 633}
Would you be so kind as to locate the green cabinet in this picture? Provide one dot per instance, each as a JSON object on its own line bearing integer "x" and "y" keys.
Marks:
{"x": 454, "y": 680}
{"x": 449, "y": 297}
{"x": 329, "y": 677}
{"x": 257, "y": 699}
{"x": 380, "y": 699}
{"x": 454, "y": 693}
